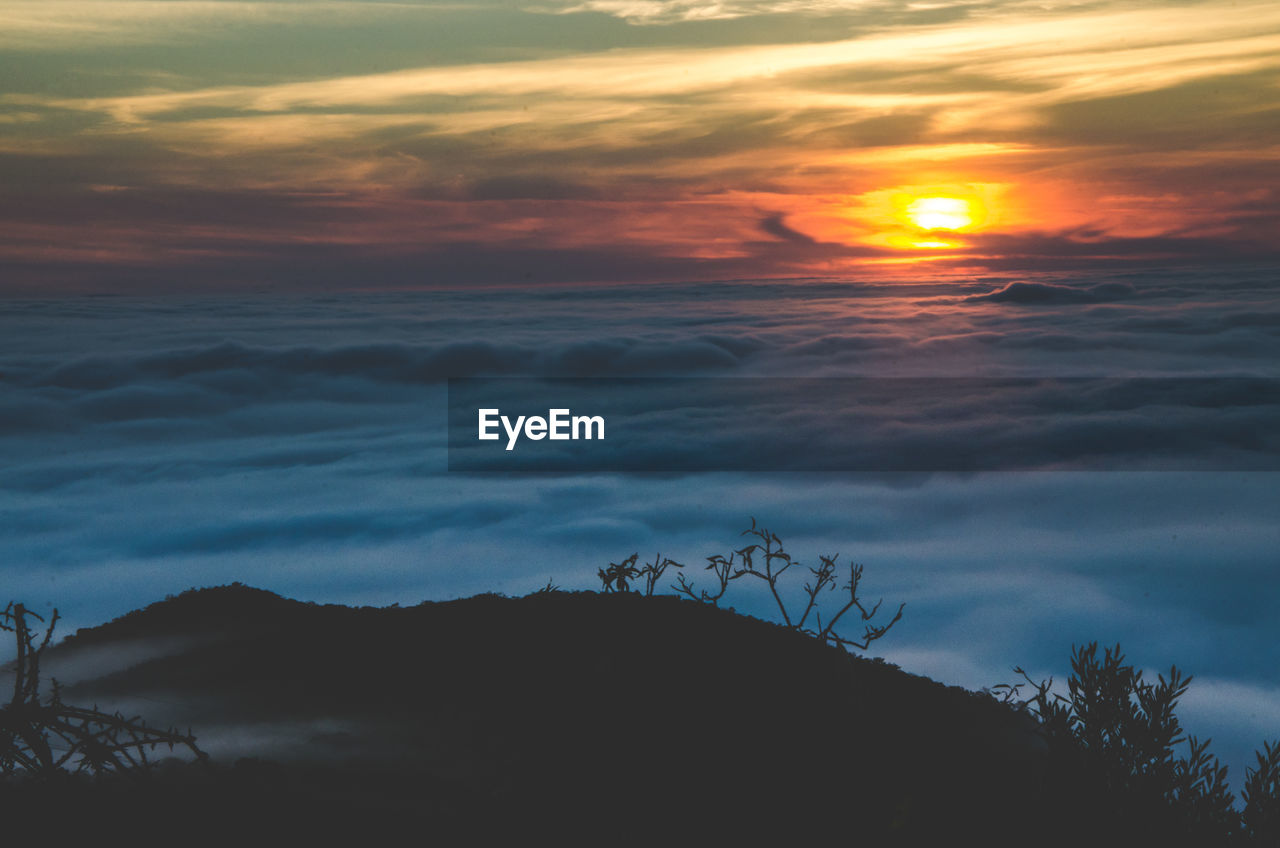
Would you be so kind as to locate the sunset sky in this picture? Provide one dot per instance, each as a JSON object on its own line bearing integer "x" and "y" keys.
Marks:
{"x": 198, "y": 144}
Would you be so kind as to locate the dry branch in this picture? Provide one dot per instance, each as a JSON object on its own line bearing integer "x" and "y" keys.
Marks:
{"x": 46, "y": 737}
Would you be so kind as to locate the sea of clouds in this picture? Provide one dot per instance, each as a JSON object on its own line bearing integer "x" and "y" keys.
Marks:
{"x": 297, "y": 443}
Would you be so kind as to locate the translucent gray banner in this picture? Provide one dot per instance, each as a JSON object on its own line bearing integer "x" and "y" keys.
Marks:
{"x": 864, "y": 424}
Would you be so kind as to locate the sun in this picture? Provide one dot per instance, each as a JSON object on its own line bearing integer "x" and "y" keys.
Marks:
{"x": 941, "y": 213}
{"x": 934, "y": 217}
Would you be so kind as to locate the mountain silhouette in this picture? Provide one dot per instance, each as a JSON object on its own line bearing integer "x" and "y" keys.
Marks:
{"x": 609, "y": 717}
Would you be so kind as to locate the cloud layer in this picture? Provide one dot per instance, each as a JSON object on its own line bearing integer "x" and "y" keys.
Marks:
{"x": 297, "y": 443}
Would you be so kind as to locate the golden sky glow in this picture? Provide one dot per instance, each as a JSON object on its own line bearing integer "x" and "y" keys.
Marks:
{"x": 784, "y": 136}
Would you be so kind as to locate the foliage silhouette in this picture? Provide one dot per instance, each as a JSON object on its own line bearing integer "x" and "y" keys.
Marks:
{"x": 1118, "y": 731}
{"x": 43, "y": 738}
{"x": 765, "y": 559}
{"x": 1261, "y": 795}
{"x": 615, "y": 577}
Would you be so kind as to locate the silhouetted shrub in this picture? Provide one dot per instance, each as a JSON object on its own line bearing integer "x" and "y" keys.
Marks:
{"x": 615, "y": 577}
{"x": 1114, "y": 734}
{"x": 47, "y": 737}
{"x": 1261, "y": 795}
{"x": 767, "y": 560}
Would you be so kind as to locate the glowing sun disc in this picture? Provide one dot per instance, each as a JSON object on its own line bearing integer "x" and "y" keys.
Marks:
{"x": 940, "y": 213}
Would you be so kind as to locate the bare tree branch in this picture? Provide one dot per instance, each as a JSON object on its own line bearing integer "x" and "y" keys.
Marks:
{"x": 766, "y": 559}
{"x": 46, "y": 737}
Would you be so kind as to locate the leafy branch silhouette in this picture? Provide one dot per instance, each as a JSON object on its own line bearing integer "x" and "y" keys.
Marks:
{"x": 1121, "y": 731}
{"x": 1261, "y": 795}
{"x": 615, "y": 577}
{"x": 48, "y": 737}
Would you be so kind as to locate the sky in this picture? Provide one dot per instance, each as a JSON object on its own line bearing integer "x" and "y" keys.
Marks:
{"x": 209, "y": 144}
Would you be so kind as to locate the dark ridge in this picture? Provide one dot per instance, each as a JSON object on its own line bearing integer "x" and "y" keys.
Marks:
{"x": 570, "y": 716}
{"x": 194, "y": 612}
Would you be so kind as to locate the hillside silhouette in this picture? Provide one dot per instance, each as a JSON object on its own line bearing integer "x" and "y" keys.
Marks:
{"x": 610, "y": 717}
